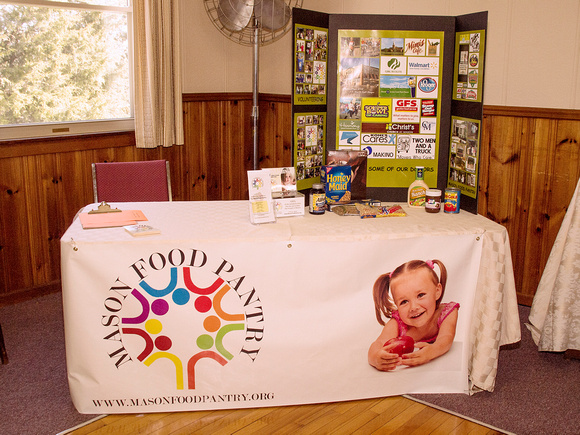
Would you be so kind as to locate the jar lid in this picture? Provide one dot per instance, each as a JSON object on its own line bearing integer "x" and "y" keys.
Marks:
{"x": 435, "y": 192}
{"x": 318, "y": 186}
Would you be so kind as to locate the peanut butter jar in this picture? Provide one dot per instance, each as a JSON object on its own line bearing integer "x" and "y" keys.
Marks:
{"x": 433, "y": 201}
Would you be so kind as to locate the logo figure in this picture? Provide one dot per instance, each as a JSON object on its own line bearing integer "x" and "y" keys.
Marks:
{"x": 427, "y": 84}
{"x": 349, "y": 136}
{"x": 257, "y": 183}
{"x": 393, "y": 63}
{"x": 404, "y": 144}
{"x": 152, "y": 324}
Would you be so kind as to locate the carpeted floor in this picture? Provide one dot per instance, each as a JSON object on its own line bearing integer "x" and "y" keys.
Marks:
{"x": 536, "y": 393}
{"x": 34, "y": 390}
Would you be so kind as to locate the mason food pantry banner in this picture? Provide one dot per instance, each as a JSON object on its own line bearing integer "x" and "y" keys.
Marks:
{"x": 164, "y": 325}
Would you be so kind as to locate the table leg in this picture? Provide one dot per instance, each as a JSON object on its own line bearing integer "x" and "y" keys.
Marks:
{"x": 3, "y": 353}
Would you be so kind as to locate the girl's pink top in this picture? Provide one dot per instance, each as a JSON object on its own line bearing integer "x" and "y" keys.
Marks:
{"x": 446, "y": 309}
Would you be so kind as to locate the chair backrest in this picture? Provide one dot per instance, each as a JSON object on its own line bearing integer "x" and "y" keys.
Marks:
{"x": 132, "y": 181}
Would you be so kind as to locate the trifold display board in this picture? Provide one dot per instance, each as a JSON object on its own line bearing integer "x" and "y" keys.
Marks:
{"x": 408, "y": 90}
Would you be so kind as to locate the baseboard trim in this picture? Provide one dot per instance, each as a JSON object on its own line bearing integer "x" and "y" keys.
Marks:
{"x": 30, "y": 293}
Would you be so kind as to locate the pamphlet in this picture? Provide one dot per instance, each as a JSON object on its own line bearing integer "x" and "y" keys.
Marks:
{"x": 141, "y": 230}
{"x": 260, "y": 192}
{"x": 283, "y": 182}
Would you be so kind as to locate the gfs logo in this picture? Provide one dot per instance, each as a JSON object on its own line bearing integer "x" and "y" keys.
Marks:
{"x": 406, "y": 103}
{"x": 180, "y": 309}
{"x": 401, "y": 106}
{"x": 427, "y": 85}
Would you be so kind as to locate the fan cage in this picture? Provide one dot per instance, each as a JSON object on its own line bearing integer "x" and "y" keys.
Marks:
{"x": 247, "y": 35}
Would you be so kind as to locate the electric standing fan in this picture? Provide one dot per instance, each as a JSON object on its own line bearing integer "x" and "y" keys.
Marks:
{"x": 252, "y": 23}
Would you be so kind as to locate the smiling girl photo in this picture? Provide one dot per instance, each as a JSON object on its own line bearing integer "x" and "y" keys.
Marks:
{"x": 410, "y": 298}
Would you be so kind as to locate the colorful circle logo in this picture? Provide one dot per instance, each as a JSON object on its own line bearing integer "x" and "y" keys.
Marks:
{"x": 179, "y": 315}
{"x": 257, "y": 183}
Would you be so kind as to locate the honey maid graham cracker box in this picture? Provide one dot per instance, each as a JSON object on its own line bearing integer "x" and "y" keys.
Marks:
{"x": 336, "y": 181}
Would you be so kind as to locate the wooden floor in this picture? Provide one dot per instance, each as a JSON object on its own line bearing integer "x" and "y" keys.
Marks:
{"x": 382, "y": 416}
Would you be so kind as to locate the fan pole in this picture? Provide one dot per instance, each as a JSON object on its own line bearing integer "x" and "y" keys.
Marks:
{"x": 255, "y": 109}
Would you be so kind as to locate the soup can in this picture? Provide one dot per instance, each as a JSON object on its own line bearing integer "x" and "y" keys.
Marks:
{"x": 452, "y": 198}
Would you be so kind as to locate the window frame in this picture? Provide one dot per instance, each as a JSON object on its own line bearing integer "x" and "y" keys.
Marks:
{"x": 72, "y": 128}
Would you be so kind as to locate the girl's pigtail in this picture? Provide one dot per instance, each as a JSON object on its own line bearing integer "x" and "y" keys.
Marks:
{"x": 381, "y": 297}
{"x": 442, "y": 278}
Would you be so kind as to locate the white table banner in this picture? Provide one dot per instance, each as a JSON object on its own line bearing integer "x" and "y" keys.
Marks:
{"x": 168, "y": 325}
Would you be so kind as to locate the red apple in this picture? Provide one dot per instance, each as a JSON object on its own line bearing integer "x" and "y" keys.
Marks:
{"x": 404, "y": 344}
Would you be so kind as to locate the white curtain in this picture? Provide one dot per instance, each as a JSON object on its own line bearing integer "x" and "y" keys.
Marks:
{"x": 158, "y": 99}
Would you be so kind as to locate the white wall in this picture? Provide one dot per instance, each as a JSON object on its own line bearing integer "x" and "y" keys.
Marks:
{"x": 533, "y": 49}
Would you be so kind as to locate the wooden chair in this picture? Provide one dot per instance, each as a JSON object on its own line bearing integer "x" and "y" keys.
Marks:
{"x": 143, "y": 181}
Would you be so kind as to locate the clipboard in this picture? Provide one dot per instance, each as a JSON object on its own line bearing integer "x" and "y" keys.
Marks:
{"x": 104, "y": 208}
{"x": 108, "y": 219}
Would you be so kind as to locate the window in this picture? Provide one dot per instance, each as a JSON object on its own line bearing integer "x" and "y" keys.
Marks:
{"x": 65, "y": 67}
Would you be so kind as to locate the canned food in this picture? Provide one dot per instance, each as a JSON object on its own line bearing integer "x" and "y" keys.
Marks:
{"x": 452, "y": 200}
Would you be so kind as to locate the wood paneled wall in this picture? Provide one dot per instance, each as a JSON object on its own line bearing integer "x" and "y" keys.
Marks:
{"x": 528, "y": 171}
{"x": 44, "y": 182}
{"x": 529, "y": 167}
